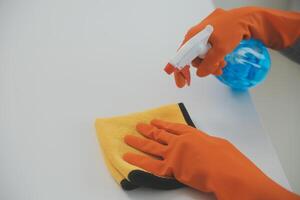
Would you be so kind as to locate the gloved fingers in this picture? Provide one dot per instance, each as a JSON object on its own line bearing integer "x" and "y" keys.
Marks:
{"x": 147, "y": 163}
{"x": 220, "y": 67}
{"x": 145, "y": 145}
{"x": 202, "y": 72}
{"x": 175, "y": 128}
{"x": 196, "y": 62}
{"x": 222, "y": 64}
{"x": 154, "y": 133}
{"x": 210, "y": 63}
{"x": 246, "y": 36}
{"x": 218, "y": 72}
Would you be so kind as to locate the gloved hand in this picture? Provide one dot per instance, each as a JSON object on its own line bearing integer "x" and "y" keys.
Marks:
{"x": 206, "y": 163}
{"x": 275, "y": 28}
{"x": 110, "y": 133}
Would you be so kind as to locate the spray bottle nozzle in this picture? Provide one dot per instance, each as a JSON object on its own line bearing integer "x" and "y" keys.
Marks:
{"x": 197, "y": 46}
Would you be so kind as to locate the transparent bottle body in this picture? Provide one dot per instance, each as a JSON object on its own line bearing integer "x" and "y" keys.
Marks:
{"x": 247, "y": 65}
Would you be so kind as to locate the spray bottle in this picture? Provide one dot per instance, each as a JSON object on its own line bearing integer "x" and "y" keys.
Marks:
{"x": 247, "y": 65}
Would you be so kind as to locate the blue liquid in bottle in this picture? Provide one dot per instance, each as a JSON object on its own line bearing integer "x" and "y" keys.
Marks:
{"x": 247, "y": 66}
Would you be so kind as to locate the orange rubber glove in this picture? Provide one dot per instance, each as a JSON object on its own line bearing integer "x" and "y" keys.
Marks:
{"x": 206, "y": 163}
{"x": 277, "y": 29}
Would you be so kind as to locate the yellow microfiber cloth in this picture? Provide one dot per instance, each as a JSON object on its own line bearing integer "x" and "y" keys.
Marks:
{"x": 110, "y": 134}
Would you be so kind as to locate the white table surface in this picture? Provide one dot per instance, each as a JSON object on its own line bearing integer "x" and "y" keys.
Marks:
{"x": 63, "y": 63}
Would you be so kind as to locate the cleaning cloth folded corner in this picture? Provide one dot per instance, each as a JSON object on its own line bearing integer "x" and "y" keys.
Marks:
{"x": 111, "y": 132}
